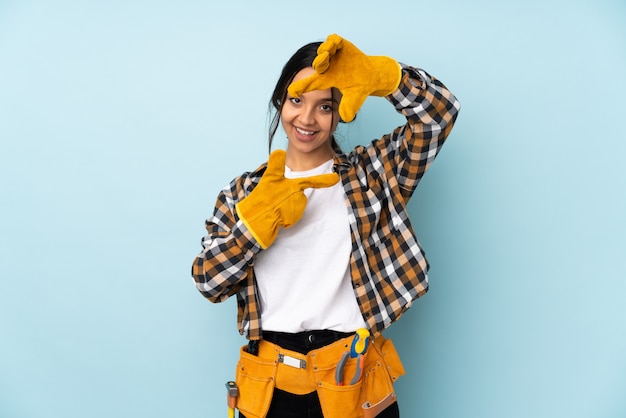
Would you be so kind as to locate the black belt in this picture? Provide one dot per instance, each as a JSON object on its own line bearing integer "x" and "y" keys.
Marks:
{"x": 305, "y": 341}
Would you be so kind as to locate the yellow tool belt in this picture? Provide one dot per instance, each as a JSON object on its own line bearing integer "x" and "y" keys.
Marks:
{"x": 297, "y": 373}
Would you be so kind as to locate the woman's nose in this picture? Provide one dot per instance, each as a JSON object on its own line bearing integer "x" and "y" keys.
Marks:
{"x": 307, "y": 115}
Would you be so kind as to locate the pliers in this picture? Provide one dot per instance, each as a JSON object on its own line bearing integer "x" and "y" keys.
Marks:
{"x": 357, "y": 350}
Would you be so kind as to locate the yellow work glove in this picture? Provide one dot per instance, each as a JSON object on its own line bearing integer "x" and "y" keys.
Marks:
{"x": 342, "y": 65}
{"x": 277, "y": 201}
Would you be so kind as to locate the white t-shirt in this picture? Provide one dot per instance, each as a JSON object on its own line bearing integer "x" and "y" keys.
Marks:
{"x": 303, "y": 278}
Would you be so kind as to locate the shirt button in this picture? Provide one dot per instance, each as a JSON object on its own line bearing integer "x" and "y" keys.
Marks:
{"x": 312, "y": 338}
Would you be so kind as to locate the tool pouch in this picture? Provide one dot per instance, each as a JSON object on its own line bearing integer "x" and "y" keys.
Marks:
{"x": 338, "y": 401}
{"x": 257, "y": 376}
{"x": 255, "y": 379}
{"x": 382, "y": 367}
{"x": 382, "y": 371}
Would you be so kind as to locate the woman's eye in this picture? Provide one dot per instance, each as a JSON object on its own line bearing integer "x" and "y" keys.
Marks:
{"x": 327, "y": 108}
{"x": 295, "y": 100}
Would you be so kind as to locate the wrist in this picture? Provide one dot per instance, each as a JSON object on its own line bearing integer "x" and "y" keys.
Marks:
{"x": 390, "y": 76}
{"x": 246, "y": 240}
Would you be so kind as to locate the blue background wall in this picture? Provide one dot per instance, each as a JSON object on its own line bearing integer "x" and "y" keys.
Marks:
{"x": 121, "y": 120}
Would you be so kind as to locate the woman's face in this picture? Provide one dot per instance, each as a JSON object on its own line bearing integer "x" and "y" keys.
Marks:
{"x": 309, "y": 122}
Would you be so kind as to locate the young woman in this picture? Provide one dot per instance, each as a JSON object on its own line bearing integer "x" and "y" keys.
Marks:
{"x": 317, "y": 245}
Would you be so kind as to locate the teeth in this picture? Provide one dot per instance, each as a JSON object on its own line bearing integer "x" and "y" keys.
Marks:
{"x": 303, "y": 132}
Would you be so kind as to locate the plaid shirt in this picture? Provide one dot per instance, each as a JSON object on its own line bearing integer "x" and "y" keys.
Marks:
{"x": 387, "y": 265}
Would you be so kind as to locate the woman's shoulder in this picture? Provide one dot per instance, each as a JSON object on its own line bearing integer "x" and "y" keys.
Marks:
{"x": 245, "y": 181}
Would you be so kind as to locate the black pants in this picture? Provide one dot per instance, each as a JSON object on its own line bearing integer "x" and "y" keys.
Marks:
{"x": 288, "y": 405}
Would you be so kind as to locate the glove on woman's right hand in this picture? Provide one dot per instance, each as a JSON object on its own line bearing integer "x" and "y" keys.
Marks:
{"x": 277, "y": 201}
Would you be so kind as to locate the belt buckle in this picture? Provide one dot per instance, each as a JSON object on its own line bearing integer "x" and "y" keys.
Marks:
{"x": 292, "y": 361}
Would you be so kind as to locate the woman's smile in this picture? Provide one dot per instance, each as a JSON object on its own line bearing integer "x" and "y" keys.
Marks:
{"x": 304, "y": 134}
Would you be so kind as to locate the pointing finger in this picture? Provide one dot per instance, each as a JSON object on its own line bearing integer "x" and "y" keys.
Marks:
{"x": 319, "y": 181}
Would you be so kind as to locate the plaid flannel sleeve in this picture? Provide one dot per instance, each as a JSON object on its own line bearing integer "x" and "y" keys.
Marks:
{"x": 431, "y": 110}
{"x": 222, "y": 268}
